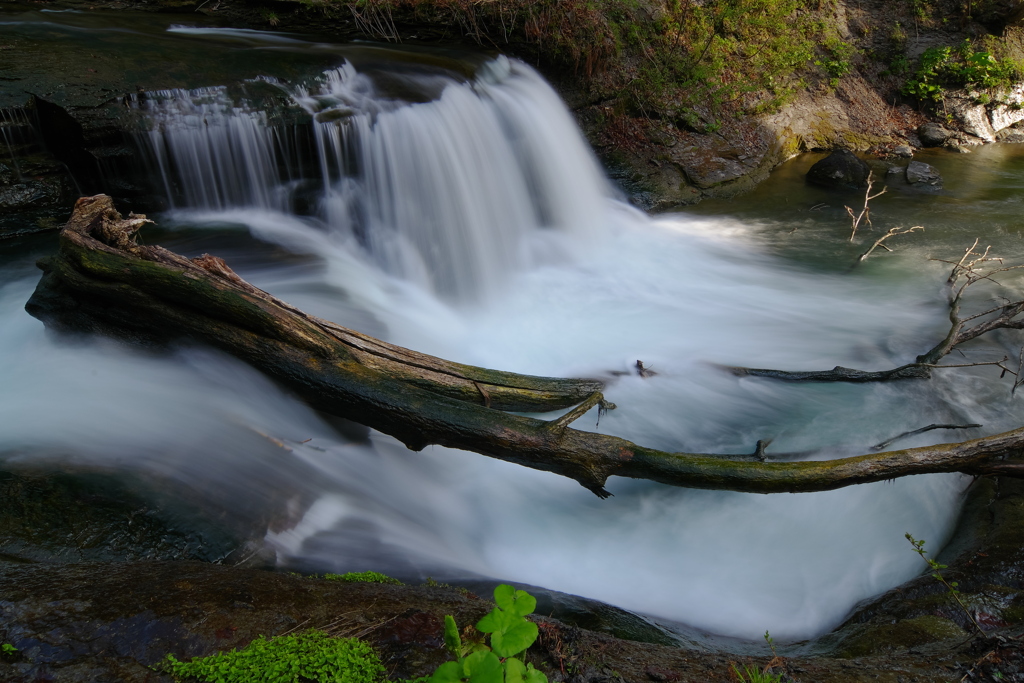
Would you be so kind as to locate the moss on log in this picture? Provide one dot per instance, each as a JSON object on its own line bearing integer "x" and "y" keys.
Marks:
{"x": 102, "y": 281}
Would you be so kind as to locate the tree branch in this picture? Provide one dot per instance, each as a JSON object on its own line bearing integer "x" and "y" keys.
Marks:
{"x": 966, "y": 272}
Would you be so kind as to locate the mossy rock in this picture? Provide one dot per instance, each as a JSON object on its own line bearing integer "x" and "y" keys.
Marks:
{"x": 874, "y": 639}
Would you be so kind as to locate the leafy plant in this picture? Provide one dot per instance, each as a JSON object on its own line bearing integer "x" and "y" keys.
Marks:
{"x": 958, "y": 67}
{"x": 751, "y": 674}
{"x": 510, "y": 635}
{"x": 9, "y": 653}
{"x": 308, "y": 656}
{"x": 836, "y": 60}
{"x": 951, "y": 586}
{"x": 363, "y": 577}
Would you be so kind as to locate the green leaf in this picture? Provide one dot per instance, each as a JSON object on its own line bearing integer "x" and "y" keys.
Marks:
{"x": 452, "y": 641}
{"x": 515, "y": 670}
{"x": 515, "y": 639}
{"x": 496, "y": 620}
{"x": 534, "y": 676}
{"x": 449, "y": 672}
{"x": 509, "y": 599}
{"x": 483, "y": 667}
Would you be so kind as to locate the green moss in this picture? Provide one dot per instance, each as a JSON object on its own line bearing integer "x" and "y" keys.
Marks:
{"x": 363, "y": 577}
{"x": 879, "y": 638}
{"x": 308, "y": 656}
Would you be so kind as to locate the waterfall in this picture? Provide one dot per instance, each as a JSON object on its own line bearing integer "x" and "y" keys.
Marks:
{"x": 444, "y": 192}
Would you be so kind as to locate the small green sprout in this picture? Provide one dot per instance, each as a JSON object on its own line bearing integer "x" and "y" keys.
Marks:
{"x": 951, "y": 586}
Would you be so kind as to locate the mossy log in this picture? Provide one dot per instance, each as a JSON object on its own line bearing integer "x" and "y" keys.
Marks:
{"x": 101, "y": 280}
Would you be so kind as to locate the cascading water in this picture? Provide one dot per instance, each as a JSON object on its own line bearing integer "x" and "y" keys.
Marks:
{"x": 443, "y": 193}
{"x": 470, "y": 220}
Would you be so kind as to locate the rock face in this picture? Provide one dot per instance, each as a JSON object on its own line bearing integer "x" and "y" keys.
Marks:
{"x": 840, "y": 170}
{"x": 933, "y": 134}
{"x": 920, "y": 173}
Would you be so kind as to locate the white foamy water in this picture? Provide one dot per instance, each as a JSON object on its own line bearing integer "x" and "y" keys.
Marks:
{"x": 476, "y": 225}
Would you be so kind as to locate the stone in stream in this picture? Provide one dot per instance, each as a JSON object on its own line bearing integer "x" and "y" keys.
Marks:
{"x": 920, "y": 173}
{"x": 841, "y": 169}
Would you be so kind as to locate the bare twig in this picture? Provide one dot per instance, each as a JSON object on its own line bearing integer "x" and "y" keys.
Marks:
{"x": 865, "y": 213}
{"x": 893, "y": 232}
{"x": 922, "y": 430}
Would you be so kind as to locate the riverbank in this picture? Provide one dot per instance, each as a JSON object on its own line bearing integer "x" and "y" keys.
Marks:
{"x": 78, "y": 623}
{"x": 679, "y": 102}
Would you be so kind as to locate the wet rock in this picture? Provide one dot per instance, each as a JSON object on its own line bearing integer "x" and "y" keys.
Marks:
{"x": 105, "y": 622}
{"x": 840, "y": 169}
{"x": 920, "y": 173}
{"x": 933, "y": 134}
{"x": 905, "y": 151}
{"x": 958, "y": 148}
{"x": 68, "y": 515}
{"x": 880, "y": 638}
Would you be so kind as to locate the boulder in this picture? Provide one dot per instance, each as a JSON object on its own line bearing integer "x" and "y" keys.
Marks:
{"x": 905, "y": 151}
{"x": 933, "y": 134}
{"x": 840, "y": 169}
{"x": 920, "y": 173}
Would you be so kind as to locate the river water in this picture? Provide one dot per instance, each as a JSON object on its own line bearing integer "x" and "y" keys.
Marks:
{"x": 459, "y": 212}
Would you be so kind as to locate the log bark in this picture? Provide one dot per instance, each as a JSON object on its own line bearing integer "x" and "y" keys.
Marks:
{"x": 101, "y": 280}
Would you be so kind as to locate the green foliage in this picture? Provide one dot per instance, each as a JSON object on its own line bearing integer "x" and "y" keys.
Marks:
{"x": 836, "y": 60}
{"x": 951, "y": 586}
{"x": 8, "y": 649}
{"x": 510, "y": 633}
{"x": 963, "y": 66}
{"x": 751, "y": 674}
{"x": 308, "y": 656}
{"x": 363, "y": 577}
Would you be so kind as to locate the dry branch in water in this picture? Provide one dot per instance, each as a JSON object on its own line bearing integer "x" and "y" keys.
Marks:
{"x": 865, "y": 213}
{"x": 880, "y": 242}
{"x": 102, "y": 281}
{"x": 969, "y": 270}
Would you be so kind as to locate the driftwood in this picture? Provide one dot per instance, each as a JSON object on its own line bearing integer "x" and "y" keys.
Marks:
{"x": 101, "y": 280}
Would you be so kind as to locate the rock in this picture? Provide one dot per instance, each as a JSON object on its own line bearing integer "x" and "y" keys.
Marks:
{"x": 905, "y": 151}
{"x": 920, "y": 173}
{"x": 973, "y": 117}
{"x": 933, "y": 134}
{"x": 56, "y": 515}
{"x": 840, "y": 169}
{"x": 1013, "y": 135}
{"x": 958, "y": 148}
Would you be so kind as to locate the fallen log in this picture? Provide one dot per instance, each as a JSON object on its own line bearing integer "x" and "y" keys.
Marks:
{"x": 102, "y": 280}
